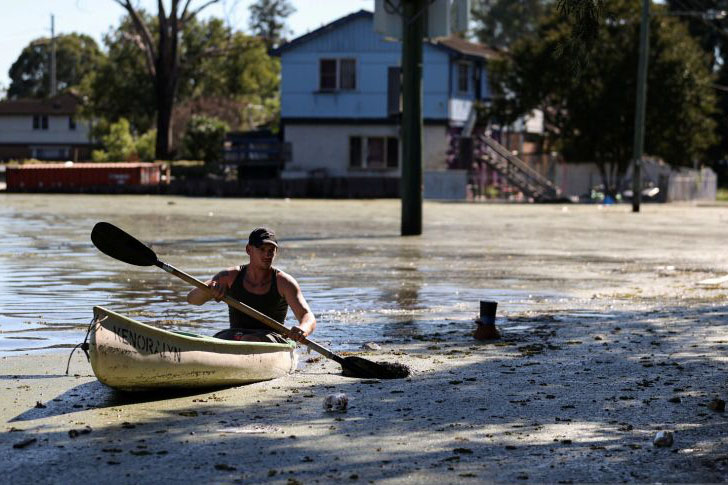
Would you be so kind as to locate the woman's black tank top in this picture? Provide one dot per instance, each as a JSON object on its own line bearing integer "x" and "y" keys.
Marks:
{"x": 270, "y": 303}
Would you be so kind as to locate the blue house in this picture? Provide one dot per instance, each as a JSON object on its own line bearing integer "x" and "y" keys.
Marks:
{"x": 341, "y": 102}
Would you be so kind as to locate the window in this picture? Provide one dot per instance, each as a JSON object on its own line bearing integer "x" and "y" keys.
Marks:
{"x": 374, "y": 152}
{"x": 347, "y": 74}
{"x": 40, "y": 122}
{"x": 355, "y": 152}
{"x": 337, "y": 74}
{"x": 328, "y": 74}
{"x": 463, "y": 77}
{"x": 71, "y": 123}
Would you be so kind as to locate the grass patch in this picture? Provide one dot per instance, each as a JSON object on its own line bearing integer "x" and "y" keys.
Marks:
{"x": 722, "y": 195}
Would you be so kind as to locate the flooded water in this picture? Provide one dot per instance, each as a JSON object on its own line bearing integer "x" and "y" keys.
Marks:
{"x": 363, "y": 281}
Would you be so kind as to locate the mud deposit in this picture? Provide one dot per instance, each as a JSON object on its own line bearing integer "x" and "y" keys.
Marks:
{"x": 609, "y": 338}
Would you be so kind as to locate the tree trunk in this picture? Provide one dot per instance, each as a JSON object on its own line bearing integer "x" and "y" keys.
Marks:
{"x": 165, "y": 103}
{"x": 166, "y": 81}
{"x": 163, "y": 61}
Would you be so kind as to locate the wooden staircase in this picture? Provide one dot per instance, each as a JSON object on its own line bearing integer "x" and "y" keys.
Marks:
{"x": 516, "y": 171}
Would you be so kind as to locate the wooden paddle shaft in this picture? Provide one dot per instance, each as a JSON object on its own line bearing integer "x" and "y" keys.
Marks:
{"x": 252, "y": 312}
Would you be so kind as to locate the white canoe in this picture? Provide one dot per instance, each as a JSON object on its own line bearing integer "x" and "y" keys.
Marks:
{"x": 129, "y": 355}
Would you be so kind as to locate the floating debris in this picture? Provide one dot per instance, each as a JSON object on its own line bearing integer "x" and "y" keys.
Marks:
{"x": 663, "y": 439}
{"x": 74, "y": 433}
{"x": 337, "y": 402}
{"x": 24, "y": 443}
{"x": 253, "y": 429}
{"x": 717, "y": 405}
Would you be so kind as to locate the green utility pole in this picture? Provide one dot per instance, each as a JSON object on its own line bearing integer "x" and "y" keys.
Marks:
{"x": 413, "y": 15}
{"x": 639, "y": 115}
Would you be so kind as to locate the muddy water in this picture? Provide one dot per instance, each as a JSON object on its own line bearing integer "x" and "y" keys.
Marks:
{"x": 363, "y": 281}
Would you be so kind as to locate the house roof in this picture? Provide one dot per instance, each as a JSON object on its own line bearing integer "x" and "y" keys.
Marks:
{"x": 321, "y": 31}
{"x": 62, "y": 104}
{"x": 453, "y": 43}
{"x": 466, "y": 48}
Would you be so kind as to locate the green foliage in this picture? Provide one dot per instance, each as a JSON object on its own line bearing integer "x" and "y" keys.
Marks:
{"x": 268, "y": 20}
{"x": 144, "y": 146}
{"x": 591, "y": 117}
{"x": 121, "y": 87}
{"x": 120, "y": 145}
{"x": 77, "y": 56}
{"x": 119, "y": 142}
{"x": 215, "y": 62}
{"x": 243, "y": 70}
{"x": 204, "y": 137}
{"x": 707, "y": 22}
{"x": 99, "y": 156}
{"x": 499, "y": 23}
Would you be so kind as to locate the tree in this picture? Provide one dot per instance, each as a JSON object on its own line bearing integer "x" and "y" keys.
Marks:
{"x": 121, "y": 86}
{"x": 119, "y": 144}
{"x": 77, "y": 55}
{"x": 708, "y": 23}
{"x": 162, "y": 57}
{"x": 590, "y": 117}
{"x": 222, "y": 73}
{"x": 584, "y": 16}
{"x": 267, "y": 20}
{"x": 501, "y": 22}
{"x": 204, "y": 138}
{"x": 122, "y": 146}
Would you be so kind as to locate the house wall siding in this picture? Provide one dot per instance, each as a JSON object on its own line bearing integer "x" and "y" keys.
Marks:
{"x": 19, "y": 129}
{"x": 300, "y": 95}
{"x": 324, "y": 149}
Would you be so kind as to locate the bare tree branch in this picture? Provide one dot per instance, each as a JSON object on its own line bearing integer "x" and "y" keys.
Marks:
{"x": 150, "y": 52}
{"x": 175, "y": 29}
{"x": 212, "y": 52}
{"x": 160, "y": 9}
{"x": 184, "y": 10}
{"x": 198, "y": 9}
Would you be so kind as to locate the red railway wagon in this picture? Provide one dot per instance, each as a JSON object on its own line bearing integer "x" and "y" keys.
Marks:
{"x": 62, "y": 176}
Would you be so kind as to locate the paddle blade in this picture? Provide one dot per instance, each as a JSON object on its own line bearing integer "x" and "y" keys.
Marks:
{"x": 359, "y": 367}
{"x": 116, "y": 243}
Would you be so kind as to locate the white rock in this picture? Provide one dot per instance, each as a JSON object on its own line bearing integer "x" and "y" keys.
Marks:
{"x": 371, "y": 346}
{"x": 336, "y": 403}
{"x": 663, "y": 438}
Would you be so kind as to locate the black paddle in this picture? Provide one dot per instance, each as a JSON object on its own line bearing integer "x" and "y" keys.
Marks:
{"x": 116, "y": 243}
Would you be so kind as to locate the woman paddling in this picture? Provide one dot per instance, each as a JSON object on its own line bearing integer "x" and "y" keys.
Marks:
{"x": 261, "y": 286}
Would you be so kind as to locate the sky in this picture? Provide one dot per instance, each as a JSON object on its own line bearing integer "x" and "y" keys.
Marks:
{"x": 23, "y": 21}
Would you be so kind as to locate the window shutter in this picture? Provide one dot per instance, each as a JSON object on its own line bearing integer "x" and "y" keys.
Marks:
{"x": 394, "y": 91}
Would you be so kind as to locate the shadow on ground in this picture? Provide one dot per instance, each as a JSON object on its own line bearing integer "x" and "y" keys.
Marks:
{"x": 574, "y": 397}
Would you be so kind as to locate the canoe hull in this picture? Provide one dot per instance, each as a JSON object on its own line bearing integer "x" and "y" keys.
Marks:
{"x": 129, "y": 355}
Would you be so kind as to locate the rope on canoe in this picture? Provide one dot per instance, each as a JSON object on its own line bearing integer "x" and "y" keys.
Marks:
{"x": 84, "y": 345}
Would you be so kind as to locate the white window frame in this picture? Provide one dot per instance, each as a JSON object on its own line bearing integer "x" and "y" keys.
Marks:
{"x": 364, "y": 155}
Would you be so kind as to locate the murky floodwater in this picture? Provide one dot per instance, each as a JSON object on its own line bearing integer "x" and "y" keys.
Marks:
{"x": 363, "y": 281}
